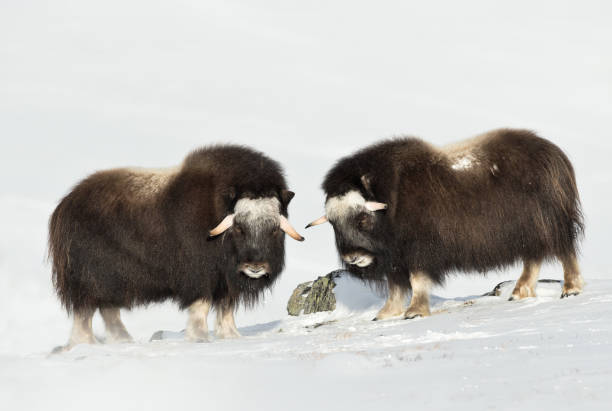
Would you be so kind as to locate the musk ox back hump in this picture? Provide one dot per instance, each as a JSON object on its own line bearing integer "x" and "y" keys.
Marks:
{"x": 242, "y": 168}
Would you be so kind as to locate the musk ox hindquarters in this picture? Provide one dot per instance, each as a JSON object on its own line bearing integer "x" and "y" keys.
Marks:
{"x": 207, "y": 234}
{"x": 409, "y": 213}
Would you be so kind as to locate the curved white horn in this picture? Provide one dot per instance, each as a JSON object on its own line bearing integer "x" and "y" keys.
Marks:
{"x": 374, "y": 206}
{"x": 286, "y": 227}
{"x": 227, "y": 222}
{"x": 318, "y": 221}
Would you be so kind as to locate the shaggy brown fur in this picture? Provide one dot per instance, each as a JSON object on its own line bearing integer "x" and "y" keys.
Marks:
{"x": 484, "y": 204}
{"x": 126, "y": 237}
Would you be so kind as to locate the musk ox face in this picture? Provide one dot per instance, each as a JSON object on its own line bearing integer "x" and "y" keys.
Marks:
{"x": 356, "y": 223}
{"x": 257, "y": 237}
{"x": 256, "y": 230}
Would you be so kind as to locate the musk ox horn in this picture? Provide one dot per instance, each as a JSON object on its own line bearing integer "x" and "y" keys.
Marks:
{"x": 287, "y": 228}
{"x": 374, "y": 206}
{"x": 227, "y": 222}
{"x": 318, "y": 221}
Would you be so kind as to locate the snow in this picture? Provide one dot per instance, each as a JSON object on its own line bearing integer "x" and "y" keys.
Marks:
{"x": 88, "y": 85}
{"x": 483, "y": 352}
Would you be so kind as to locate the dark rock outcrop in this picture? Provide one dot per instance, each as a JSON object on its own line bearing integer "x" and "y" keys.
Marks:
{"x": 314, "y": 296}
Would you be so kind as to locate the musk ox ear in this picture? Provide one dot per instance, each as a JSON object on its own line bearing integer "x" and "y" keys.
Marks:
{"x": 286, "y": 197}
{"x": 366, "y": 182}
{"x": 318, "y": 221}
{"x": 231, "y": 193}
{"x": 227, "y": 222}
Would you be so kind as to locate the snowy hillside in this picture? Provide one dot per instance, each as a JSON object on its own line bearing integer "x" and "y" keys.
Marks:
{"x": 480, "y": 352}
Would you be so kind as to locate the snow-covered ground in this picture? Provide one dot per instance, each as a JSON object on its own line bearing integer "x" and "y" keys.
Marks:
{"x": 87, "y": 85}
{"x": 477, "y": 352}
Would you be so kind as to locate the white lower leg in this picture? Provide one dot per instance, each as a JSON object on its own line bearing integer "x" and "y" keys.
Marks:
{"x": 226, "y": 327}
{"x": 197, "y": 324}
{"x": 394, "y": 306}
{"x": 82, "y": 331}
{"x": 114, "y": 325}
{"x": 572, "y": 279}
{"x": 526, "y": 284}
{"x": 419, "y": 303}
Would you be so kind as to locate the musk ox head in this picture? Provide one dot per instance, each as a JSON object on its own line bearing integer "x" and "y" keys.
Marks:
{"x": 256, "y": 229}
{"x": 357, "y": 226}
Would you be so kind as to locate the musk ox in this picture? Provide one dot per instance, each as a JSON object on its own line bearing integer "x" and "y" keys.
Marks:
{"x": 206, "y": 234}
{"x": 411, "y": 213}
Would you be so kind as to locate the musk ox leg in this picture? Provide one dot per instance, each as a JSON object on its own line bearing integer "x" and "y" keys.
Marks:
{"x": 197, "y": 324}
{"x": 226, "y": 327}
{"x": 419, "y": 303}
{"x": 572, "y": 279}
{"x": 394, "y": 306}
{"x": 525, "y": 286}
{"x": 114, "y": 326}
{"x": 82, "y": 331}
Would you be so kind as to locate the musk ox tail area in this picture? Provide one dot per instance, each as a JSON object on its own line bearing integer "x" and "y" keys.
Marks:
{"x": 566, "y": 201}
{"x": 58, "y": 254}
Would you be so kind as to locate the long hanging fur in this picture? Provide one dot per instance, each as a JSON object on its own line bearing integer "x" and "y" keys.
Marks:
{"x": 127, "y": 237}
{"x": 478, "y": 206}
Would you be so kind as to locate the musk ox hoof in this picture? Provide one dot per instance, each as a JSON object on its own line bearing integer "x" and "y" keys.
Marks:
{"x": 570, "y": 294}
{"x": 522, "y": 291}
{"x": 387, "y": 316}
{"x": 65, "y": 348}
{"x": 123, "y": 339}
{"x": 410, "y": 315}
{"x": 197, "y": 338}
{"x": 228, "y": 336}
{"x": 515, "y": 297}
{"x": 570, "y": 290}
{"x": 59, "y": 349}
{"x": 228, "y": 333}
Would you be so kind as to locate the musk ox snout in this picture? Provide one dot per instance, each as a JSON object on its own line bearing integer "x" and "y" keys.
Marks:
{"x": 360, "y": 259}
{"x": 254, "y": 270}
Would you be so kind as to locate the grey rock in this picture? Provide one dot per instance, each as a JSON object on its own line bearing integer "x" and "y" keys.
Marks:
{"x": 157, "y": 336}
{"x": 497, "y": 290}
{"x": 314, "y": 296}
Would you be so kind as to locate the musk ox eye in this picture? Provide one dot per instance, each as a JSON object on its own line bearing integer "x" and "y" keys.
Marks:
{"x": 364, "y": 222}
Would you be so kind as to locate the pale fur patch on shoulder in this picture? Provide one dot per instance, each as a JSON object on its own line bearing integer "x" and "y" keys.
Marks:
{"x": 465, "y": 154}
{"x": 146, "y": 182}
{"x": 465, "y": 146}
{"x": 464, "y": 162}
{"x": 257, "y": 208}
{"x": 339, "y": 206}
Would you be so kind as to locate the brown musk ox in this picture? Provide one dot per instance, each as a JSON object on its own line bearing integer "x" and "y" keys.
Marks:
{"x": 410, "y": 213}
{"x": 207, "y": 234}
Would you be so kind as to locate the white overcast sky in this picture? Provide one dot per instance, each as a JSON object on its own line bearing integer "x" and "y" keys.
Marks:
{"x": 87, "y": 85}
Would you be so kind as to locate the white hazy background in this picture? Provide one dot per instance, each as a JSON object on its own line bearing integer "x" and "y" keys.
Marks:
{"x": 89, "y": 85}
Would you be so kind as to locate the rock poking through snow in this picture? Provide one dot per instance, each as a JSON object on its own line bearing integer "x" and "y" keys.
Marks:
{"x": 314, "y": 296}
{"x": 498, "y": 290}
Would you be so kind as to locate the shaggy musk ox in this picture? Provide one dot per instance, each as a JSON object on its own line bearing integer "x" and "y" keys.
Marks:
{"x": 408, "y": 212}
{"x": 209, "y": 233}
